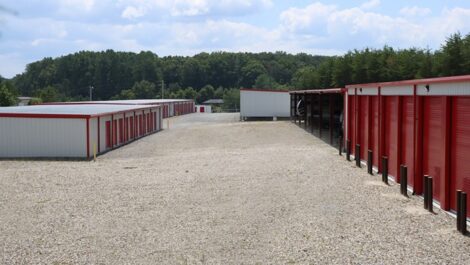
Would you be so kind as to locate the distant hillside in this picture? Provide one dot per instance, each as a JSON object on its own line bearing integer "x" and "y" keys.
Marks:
{"x": 111, "y": 72}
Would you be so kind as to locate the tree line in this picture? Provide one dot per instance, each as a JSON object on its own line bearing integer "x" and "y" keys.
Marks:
{"x": 126, "y": 75}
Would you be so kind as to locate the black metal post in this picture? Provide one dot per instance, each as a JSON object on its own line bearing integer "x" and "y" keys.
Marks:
{"x": 459, "y": 209}
{"x": 369, "y": 162}
{"x": 305, "y": 111}
{"x": 404, "y": 180}
{"x": 429, "y": 194}
{"x": 357, "y": 155}
{"x": 425, "y": 192}
{"x": 385, "y": 169}
{"x": 340, "y": 146}
{"x": 348, "y": 150}
{"x": 463, "y": 217}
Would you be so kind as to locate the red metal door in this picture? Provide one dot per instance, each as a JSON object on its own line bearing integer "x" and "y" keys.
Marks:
{"x": 374, "y": 129}
{"x": 363, "y": 125}
{"x": 391, "y": 133}
{"x": 121, "y": 131}
{"x": 460, "y": 149}
{"x": 108, "y": 134}
{"x": 433, "y": 140}
{"x": 201, "y": 109}
{"x": 115, "y": 132}
{"x": 407, "y": 136}
{"x": 131, "y": 127}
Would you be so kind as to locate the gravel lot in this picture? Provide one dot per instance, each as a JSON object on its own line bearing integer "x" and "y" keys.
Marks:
{"x": 212, "y": 190}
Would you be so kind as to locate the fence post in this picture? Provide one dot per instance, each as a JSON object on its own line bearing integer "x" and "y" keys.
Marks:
{"x": 348, "y": 150}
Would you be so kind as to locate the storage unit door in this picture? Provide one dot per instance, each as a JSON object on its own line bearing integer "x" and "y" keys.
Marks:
{"x": 460, "y": 149}
{"x": 407, "y": 136}
{"x": 433, "y": 138}
{"x": 108, "y": 134}
{"x": 351, "y": 123}
{"x": 391, "y": 133}
{"x": 374, "y": 129}
{"x": 362, "y": 131}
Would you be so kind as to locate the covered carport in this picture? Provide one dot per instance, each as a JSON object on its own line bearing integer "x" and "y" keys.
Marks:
{"x": 320, "y": 111}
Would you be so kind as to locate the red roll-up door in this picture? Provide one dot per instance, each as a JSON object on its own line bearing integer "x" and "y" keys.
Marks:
{"x": 115, "y": 132}
{"x": 108, "y": 134}
{"x": 352, "y": 122}
{"x": 407, "y": 136}
{"x": 131, "y": 127}
{"x": 363, "y": 125}
{"x": 121, "y": 131}
{"x": 201, "y": 109}
{"x": 391, "y": 133}
{"x": 374, "y": 130}
{"x": 433, "y": 142}
{"x": 460, "y": 149}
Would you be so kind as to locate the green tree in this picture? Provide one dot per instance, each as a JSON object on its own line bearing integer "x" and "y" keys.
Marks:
{"x": 232, "y": 100}
{"x": 266, "y": 81}
{"x": 48, "y": 94}
{"x": 206, "y": 93}
{"x": 250, "y": 72}
{"x": 7, "y": 96}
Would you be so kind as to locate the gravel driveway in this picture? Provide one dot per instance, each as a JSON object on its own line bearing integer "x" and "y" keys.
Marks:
{"x": 212, "y": 190}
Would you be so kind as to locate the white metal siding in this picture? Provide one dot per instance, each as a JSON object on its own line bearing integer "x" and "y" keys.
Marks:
{"x": 397, "y": 91}
{"x": 172, "y": 109}
{"x": 264, "y": 104}
{"x": 93, "y": 135}
{"x": 42, "y": 137}
{"x": 370, "y": 91}
{"x": 445, "y": 89}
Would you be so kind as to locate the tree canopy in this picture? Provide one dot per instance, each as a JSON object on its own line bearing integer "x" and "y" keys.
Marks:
{"x": 127, "y": 75}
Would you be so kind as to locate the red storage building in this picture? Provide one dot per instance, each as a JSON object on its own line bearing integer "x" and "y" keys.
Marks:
{"x": 423, "y": 124}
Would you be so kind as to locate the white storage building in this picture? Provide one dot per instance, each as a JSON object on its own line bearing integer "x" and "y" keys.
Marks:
{"x": 256, "y": 103}
{"x": 73, "y": 131}
{"x": 171, "y": 107}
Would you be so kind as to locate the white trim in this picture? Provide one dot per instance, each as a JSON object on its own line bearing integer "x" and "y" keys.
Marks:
{"x": 397, "y": 91}
{"x": 374, "y": 91}
{"x": 351, "y": 91}
{"x": 445, "y": 89}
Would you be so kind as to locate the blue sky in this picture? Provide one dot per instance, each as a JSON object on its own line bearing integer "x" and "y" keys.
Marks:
{"x": 51, "y": 28}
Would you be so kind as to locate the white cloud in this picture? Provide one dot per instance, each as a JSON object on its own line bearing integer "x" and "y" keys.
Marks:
{"x": 192, "y": 8}
{"x": 351, "y": 28}
{"x": 70, "y": 7}
{"x": 371, "y": 4}
{"x": 131, "y": 12}
{"x": 414, "y": 11}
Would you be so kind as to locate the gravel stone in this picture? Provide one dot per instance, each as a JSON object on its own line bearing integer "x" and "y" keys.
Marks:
{"x": 213, "y": 190}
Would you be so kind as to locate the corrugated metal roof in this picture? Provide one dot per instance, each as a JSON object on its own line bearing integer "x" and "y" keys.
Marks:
{"x": 123, "y": 102}
{"x": 214, "y": 101}
{"x": 83, "y": 109}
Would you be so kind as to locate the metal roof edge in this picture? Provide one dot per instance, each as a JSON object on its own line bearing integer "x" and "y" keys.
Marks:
{"x": 447, "y": 79}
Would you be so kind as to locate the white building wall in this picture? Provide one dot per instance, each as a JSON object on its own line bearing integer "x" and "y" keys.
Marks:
{"x": 264, "y": 104}
{"x": 93, "y": 135}
{"x": 172, "y": 109}
{"x": 42, "y": 137}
